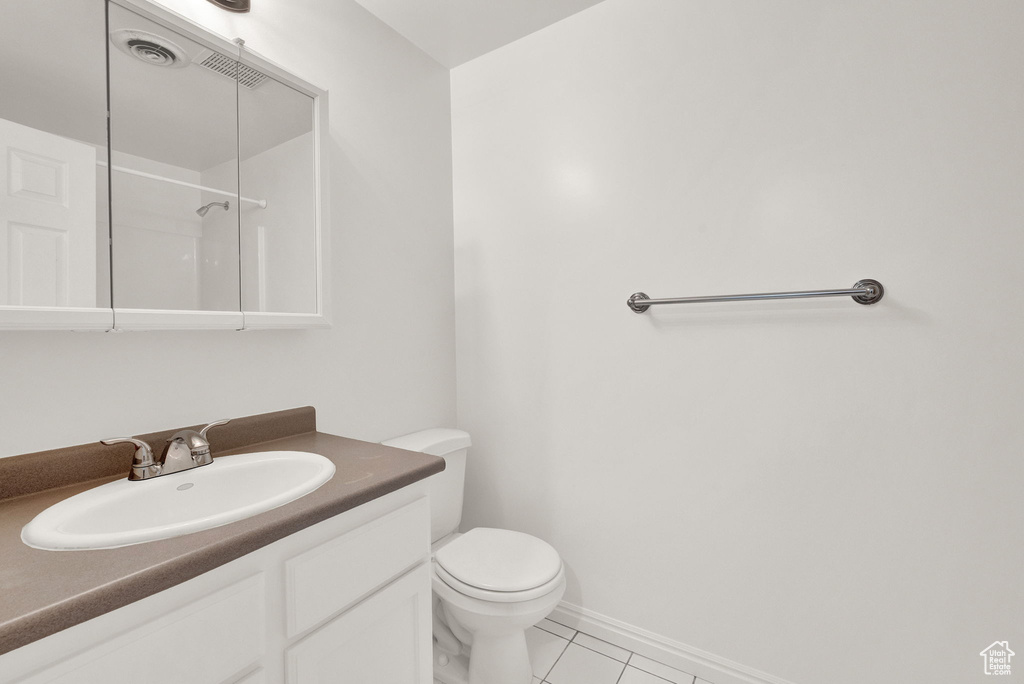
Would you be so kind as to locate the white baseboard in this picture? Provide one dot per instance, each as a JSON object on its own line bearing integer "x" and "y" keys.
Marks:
{"x": 706, "y": 666}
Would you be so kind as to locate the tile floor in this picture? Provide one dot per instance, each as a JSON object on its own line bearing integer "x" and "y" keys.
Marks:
{"x": 561, "y": 655}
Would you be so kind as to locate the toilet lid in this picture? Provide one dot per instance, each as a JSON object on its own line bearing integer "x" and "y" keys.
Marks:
{"x": 499, "y": 560}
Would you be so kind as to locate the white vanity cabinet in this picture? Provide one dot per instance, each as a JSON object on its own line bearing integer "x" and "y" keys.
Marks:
{"x": 347, "y": 599}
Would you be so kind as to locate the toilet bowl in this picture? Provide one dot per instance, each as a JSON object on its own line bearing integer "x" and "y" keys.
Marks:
{"x": 490, "y": 585}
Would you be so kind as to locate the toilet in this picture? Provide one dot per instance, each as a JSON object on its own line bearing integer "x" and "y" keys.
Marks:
{"x": 490, "y": 585}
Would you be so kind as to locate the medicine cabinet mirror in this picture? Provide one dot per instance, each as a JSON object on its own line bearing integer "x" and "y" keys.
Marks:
{"x": 54, "y": 214}
{"x": 199, "y": 207}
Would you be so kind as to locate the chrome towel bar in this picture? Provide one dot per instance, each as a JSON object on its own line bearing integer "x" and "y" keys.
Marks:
{"x": 865, "y": 291}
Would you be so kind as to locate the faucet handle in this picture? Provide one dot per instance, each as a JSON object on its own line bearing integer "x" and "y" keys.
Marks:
{"x": 202, "y": 433}
{"x": 143, "y": 465}
{"x": 143, "y": 452}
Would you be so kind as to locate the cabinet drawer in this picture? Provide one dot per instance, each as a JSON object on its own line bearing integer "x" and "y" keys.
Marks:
{"x": 328, "y": 578}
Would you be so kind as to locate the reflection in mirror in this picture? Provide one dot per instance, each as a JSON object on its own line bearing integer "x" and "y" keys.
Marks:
{"x": 277, "y": 150}
{"x": 174, "y": 181}
{"x": 54, "y": 234}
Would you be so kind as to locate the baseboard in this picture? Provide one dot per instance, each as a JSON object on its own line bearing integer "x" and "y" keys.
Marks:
{"x": 706, "y": 666}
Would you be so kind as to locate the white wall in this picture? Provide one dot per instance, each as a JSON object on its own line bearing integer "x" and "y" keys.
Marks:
{"x": 822, "y": 491}
{"x": 384, "y": 368}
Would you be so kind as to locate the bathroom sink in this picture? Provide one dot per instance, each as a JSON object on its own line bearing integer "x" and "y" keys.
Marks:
{"x": 231, "y": 488}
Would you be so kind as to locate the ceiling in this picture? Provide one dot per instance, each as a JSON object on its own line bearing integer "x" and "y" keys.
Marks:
{"x": 456, "y": 31}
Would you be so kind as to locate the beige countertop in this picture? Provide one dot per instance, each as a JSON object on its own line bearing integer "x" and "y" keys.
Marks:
{"x": 43, "y": 592}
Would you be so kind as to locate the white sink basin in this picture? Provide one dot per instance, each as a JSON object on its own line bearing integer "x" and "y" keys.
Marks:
{"x": 229, "y": 489}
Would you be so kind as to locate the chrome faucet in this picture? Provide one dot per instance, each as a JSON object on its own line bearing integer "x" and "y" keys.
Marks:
{"x": 185, "y": 449}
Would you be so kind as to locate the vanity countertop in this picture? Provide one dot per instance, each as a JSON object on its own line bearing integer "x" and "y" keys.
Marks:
{"x": 44, "y": 592}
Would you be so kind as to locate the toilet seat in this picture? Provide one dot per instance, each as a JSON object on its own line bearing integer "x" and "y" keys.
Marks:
{"x": 499, "y": 565}
{"x": 499, "y": 596}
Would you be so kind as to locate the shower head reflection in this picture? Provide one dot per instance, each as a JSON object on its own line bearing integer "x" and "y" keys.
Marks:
{"x": 206, "y": 207}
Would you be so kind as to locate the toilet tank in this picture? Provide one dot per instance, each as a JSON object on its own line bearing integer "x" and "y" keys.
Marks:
{"x": 445, "y": 488}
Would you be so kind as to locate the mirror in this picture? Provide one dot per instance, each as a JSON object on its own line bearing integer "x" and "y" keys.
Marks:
{"x": 204, "y": 209}
{"x": 54, "y": 235}
{"x": 278, "y": 152}
{"x": 174, "y": 173}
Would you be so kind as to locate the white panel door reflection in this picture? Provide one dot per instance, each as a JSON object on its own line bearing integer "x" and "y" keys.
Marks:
{"x": 47, "y": 219}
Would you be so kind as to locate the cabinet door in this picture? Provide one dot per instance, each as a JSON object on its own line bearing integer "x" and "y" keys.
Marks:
{"x": 367, "y": 557}
{"x": 54, "y": 226}
{"x": 173, "y": 182}
{"x": 385, "y": 639}
{"x": 205, "y": 642}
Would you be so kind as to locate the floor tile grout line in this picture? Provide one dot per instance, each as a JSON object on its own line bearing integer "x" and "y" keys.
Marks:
{"x": 544, "y": 679}
{"x": 559, "y": 623}
{"x": 693, "y": 678}
{"x": 658, "y": 677}
{"x": 559, "y": 636}
{"x": 594, "y": 650}
{"x": 575, "y": 632}
{"x": 616, "y": 646}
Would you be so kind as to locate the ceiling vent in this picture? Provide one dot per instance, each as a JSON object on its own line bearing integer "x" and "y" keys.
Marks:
{"x": 232, "y": 5}
{"x": 149, "y": 48}
{"x": 226, "y": 66}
